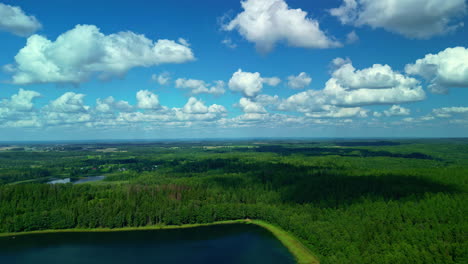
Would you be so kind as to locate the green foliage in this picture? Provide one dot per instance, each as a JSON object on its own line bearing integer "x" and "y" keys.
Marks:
{"x": 348, "y": 202}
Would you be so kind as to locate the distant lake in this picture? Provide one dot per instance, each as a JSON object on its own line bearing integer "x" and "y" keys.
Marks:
{"x": 87, "y": 179}
{"x": 234, "y": 243}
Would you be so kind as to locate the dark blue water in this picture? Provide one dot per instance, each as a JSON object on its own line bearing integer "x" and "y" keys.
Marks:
{"x": 237, "y": 243}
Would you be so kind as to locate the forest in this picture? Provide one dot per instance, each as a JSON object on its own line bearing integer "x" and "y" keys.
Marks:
{"x": 348, "y": 201}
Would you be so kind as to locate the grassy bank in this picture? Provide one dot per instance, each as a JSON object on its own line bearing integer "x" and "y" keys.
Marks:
{"x": 300, "y": 252}
{"x": 297, "y": 249}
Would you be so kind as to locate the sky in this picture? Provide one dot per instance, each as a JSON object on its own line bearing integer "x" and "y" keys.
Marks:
{"x": 90, "y": 70}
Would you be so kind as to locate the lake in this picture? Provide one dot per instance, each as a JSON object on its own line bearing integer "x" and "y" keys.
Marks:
{"x": 234, "y": 243}
{"x": 82, "y": 180}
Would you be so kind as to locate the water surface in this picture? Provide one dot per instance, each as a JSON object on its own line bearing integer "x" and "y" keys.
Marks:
{"x": 90, "y": 179}
{"x": 82, "y": 180}
{"x": 235, "y": 243}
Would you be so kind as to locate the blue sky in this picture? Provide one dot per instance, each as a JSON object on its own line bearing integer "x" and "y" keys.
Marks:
{"x": 214, "y": 69}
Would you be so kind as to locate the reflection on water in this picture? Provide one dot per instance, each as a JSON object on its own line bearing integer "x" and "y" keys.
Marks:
{"x": 83, "y": 180}
{"x": 235, "y": 243}
{"x": 90, "y": 179}
{"x": 66, "y": 180}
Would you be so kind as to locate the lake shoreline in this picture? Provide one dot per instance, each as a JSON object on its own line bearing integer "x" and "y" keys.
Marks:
{"x": 300, "y": 252}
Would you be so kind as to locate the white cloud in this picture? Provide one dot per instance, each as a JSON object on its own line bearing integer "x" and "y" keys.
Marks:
{"x": 446, "y": 112}
{"x": 147, "y": 100}
{"x": 376, "y": 77}
{"x": 427, "y": 118}
{"x": 199, "y": 86}
{"x": 196, "y": 110}
{"x": 22, "y": 101}
{"x": 19, "y": 106}
{"x": 397, "y": 110}
{"x": 80, "y": 53}
{"x": 69, "y": 102}
{"x": 14, "y": 20}
{"x": 139, "y": 117}
{"x": 300, "y": 81}
{"x": 249, "y": 106}
{"x": 338, "y": 62}
{"x": 411, "y": 18}
{"x": 329, "y": 111}
{"x": 266, "y": 22}
{"x": 339, "y": 95}
{"x": 69, "y": 108}
{"x": 109, "y": 104}
{"x": 193, "y": 111}
{"x": 250, "y": 84}
{"x": 352, "y": 37}
{"x": 272, "y": 81}
{"x": 194, "y": 106}
{"x": 349, "y": 87}
{"x": 22, "y": 123}
{"x": 267, "y": 100}
{"x": 251, "y": 117}
{"x": 448, "y": 68}
{"x": 162, "y": 78}
{"x": 267, "y": 120}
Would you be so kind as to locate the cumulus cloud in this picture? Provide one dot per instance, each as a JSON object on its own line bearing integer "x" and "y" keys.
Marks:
{"x": 446, "y": 112}
{"x": 69, "y": 102}
{"x": 194, "y": 106}
{"x": 109, "y": 104}
{"x": 448, "y": 68}
{"x": 78, "y": 54}
{"x": 339, "y": 95}
{"x": 18, "y": 110}
{"x": 349, "y": 87}
{"x": 397, "y": 110}
{"x": 376, "y": 77}
{"x": 69, "y": 108}
{"x": 267, "y": 100}
{"x": 22, "y": 101}
{"x": 199, "y": 86}
{"x": 195, "y": 109}
{"x": 147, "y": 100}
{"x": 14, "y": 20}
{"x": 249, "y": 106}
{"x": 300, "y": 81}
{"x": 266, "y": 22}
{"x": 411, "y": 18}
{"x": 162, "y": 78}
{"x": 249, "y": 83}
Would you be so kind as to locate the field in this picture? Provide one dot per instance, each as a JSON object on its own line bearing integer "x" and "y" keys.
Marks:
{"x": 347, "y": 201}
